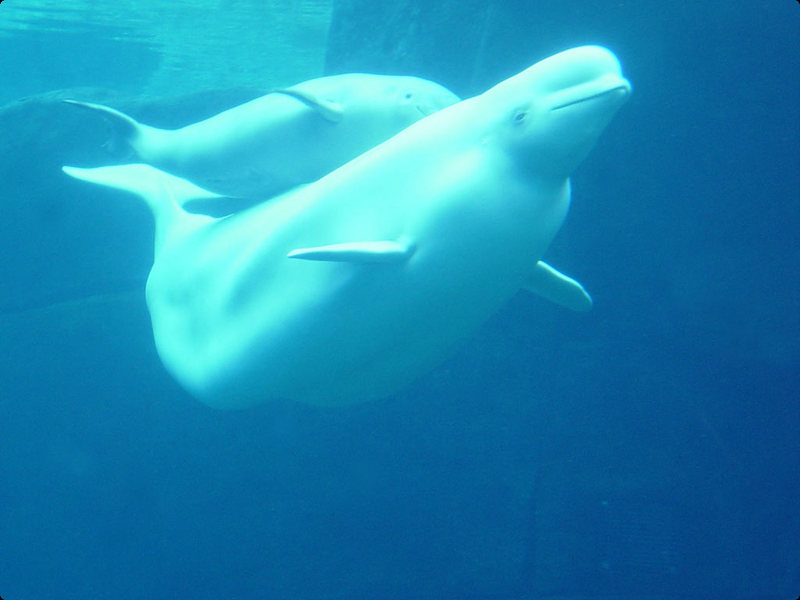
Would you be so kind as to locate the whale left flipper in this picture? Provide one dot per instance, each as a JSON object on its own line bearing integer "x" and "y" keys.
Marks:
{"x": 550, "y": 284}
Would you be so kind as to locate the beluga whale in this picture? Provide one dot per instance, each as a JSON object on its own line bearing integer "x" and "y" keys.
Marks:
{"x": 349, "y": 288}
{"x": 286, "y": 138}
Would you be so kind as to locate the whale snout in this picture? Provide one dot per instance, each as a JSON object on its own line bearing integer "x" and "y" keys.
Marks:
{"x": 576, "y": 66}
{"x": 567, "y": 101}
{"x": 585, "y": 74}
{"x": 609, "y": 88}
{"x": 588, "y": 75}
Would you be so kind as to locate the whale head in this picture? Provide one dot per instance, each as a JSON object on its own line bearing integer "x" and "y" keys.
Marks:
{"x": 554, "y": 111}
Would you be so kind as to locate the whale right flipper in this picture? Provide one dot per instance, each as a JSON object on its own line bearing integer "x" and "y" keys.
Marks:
{"x": 547, "y": 282}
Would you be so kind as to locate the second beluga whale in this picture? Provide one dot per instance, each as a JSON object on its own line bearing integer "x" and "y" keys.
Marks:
{"x": 351, "y": 287}
{"x": 286, "y": 138}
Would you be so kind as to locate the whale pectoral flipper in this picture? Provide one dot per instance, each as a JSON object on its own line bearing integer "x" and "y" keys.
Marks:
{"x": 327, "y": 109}
{"x": 547, "y": 282}
{"x": 357, "y": 252}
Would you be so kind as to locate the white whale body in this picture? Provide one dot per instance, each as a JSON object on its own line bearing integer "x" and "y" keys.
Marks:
{"x": 286, "y": 138}
{"x": 351, "y": 287}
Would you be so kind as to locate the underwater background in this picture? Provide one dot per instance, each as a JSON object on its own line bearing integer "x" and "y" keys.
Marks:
{"x": 647, "y": 449}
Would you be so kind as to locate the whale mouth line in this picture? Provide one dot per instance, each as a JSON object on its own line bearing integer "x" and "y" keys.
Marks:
{"x": 616, "y": 88}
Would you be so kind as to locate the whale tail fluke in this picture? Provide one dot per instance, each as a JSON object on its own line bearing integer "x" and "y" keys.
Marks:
{"x": 127, "y": 133}
{"x": 164, "y": 193}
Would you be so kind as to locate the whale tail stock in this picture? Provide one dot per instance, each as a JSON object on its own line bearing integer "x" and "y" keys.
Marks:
{"x": 163, "y": 193}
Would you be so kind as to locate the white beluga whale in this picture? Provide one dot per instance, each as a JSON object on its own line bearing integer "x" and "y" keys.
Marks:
{"x": 286, "y": 138}
{"x": 349, "y": 288}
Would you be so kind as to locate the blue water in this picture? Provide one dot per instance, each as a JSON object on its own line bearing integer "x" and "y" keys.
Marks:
{"x": 647, "y": 449}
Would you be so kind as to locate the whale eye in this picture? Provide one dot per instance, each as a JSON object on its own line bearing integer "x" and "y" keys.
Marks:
{"x": 408, "y": 95}
{"x": 520, "y": 116}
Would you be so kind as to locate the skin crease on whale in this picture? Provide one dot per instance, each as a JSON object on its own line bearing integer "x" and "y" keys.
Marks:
{"x": 348, "y": 289}
{"x": 286, "y": 138}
